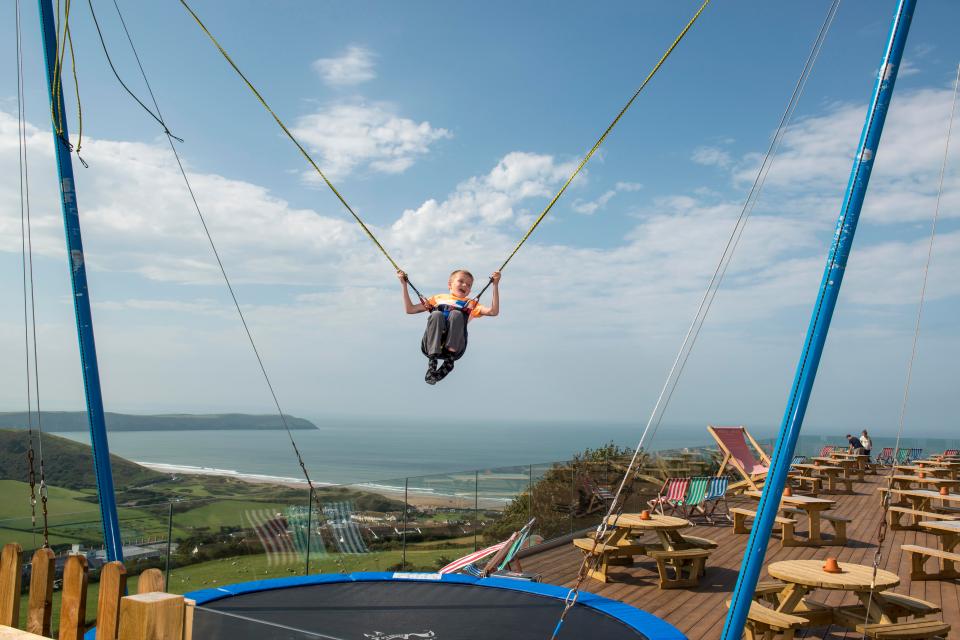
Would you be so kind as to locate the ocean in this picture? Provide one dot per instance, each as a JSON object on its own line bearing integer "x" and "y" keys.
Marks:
{"x": 347, "y": 451}
{"x": 344, "y": 451}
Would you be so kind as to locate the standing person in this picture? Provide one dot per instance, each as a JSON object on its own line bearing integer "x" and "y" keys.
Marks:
{"x": 865, "y": 442}
{"x": 855, "y": 445}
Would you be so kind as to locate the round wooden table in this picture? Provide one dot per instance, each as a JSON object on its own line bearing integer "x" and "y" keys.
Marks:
{"x": 667, "y": 528}
{"x": 804, "y": 576}
{"x": 810, "y": 573}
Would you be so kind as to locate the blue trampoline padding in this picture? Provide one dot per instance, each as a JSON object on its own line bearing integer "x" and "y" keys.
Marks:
{"x": 634, "y": 618}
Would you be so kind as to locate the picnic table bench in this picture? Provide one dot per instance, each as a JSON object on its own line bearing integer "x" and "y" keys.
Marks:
{"x": 814, "y": 510}
{"x": 907, "y": 481}
{"x": 835, "y": 476}
{"x": 948, "y": 533}
{"x": 681, "y": 560}
{"x": 920, "y": 504}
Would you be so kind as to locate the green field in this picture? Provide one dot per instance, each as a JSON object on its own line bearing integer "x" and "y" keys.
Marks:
{"x": 221, "y": 513}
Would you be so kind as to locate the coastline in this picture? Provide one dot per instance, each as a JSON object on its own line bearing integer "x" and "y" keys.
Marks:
{"x": 418, "y": 497}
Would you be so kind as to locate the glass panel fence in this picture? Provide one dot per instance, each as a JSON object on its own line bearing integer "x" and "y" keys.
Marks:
{"x": 358, "y": 528}
{"x": 221, "y": 541}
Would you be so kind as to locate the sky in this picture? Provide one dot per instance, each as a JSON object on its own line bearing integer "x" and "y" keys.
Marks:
{"x": 448, "y": 127}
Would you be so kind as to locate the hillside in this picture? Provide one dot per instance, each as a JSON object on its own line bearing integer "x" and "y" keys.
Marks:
{"x": 66, "y": 463}
{"x": 63, "y": 421}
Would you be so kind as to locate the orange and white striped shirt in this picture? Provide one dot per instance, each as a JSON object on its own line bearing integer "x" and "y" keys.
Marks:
{"x": 448, "y": 300}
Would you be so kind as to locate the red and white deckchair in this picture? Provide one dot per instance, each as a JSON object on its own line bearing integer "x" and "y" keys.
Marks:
{"x": 751, "y": 465}
{"x": 671, "y": 495}
{"x": 476, "y": 556}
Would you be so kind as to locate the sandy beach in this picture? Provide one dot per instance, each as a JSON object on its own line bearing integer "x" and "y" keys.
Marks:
{"x": 419, "y": 498}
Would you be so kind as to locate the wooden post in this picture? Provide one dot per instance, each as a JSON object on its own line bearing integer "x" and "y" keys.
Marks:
{"x": 113, "y": 584}
{"x": 149, "y": 581}
{"x": 10, "y": 585}
{"x": 151, "y": 616}
{"x": 191, "y": 606}
{"x": 73, "y": 606}
{"x": 41, "y": 592}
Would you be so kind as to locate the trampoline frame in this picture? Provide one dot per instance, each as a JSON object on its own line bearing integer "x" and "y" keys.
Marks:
{"x": 636, "y": 619}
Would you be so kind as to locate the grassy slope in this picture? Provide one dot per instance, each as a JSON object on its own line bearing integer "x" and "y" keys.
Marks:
{"x": 66, "y": 463}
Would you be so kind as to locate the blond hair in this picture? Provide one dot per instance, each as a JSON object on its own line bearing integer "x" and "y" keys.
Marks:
{"x": 464, "y": 272}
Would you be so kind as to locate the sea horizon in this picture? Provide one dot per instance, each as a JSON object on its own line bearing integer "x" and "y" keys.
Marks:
{"x": 380, "y": 451}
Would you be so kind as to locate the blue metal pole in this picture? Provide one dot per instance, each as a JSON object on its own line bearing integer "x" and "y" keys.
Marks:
{"x": 819, "y": 324}
{"x": 81, "y": 299}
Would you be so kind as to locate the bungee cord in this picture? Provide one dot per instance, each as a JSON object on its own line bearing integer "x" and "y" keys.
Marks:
{"x": 357, "y": 218}
{"x": 686, "y": 348}
{"x": 299, "y": 146}
{"x": 29, "y": 309}
{"x": 887, "y": 496}
{"x": 596, "y": 145}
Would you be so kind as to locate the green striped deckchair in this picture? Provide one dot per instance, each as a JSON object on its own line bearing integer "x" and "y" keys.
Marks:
{"x": 696, "y": 493}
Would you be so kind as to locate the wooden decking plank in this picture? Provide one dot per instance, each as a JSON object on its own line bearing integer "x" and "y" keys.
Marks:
{"x": 699, "y": 613}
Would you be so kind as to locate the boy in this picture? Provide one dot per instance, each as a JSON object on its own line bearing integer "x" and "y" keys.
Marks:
{"x": 445, "y": 338}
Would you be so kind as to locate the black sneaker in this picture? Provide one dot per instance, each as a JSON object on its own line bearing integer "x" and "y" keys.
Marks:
{"x": 431, "y": 375}
{"x": 443, "y": 370}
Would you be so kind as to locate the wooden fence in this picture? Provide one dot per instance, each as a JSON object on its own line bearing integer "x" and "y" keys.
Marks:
{"x": 151, "y": 614}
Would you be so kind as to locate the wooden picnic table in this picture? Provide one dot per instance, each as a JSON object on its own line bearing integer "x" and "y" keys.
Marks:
{"x": 940, "y": 468}
{"x": 803, "y": 576}
{"x": 949, "y": 534}
{"x": 813, "y": 509}
{"x": 923, "y": 499}
{"x": 834, "y": 475}
{"x": 666, "y": 528}
{"x": 907, "y": 482}
{"x": 850, "y": 464}
{"x": 680, "y": 561}
{"x": 912, "y": 469}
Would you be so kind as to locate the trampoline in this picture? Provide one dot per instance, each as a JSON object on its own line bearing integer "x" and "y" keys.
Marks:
{"x": 412, "y": 606}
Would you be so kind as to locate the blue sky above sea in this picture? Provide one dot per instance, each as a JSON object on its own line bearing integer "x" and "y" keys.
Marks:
{"x": 448, "y": 127}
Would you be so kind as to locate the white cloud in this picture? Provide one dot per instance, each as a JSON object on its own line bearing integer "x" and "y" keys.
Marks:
{"x": 817, "y": 153}
{"x": 711, "y": 156}
{"x": 590, "y": 207}
{"x": 328, "y": 287}
{"x": 351, "y": 136}
{"x": 354, "y": 66}
{"x": 907, "y": 69}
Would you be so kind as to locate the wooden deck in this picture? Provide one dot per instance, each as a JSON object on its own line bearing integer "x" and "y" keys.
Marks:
{"x": 699, "y": 613}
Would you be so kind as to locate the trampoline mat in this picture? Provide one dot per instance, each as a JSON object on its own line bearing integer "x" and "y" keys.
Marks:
{"x": 393, "y": 610}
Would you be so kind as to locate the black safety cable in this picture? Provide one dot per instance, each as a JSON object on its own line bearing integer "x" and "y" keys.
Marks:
{"x": 123, "y": 84}
{"x": 223, "y": 271}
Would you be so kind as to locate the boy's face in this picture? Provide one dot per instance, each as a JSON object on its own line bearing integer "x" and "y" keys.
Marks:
{"x": 460, "y": 284}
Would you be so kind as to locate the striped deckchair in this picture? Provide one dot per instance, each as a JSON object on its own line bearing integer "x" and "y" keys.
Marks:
{"x": 510, "y": 557}
{"x": 671, "y": 495}
{"x": 951, "y": 452}
{"x": 716, "y": 493}
{"x": 461, "y": 563}
{"x": 737, "y": 455}
{"x": 798, "y": 460}
{"x": 886, "y": 456}
{"x": 503, "y": 554}
{"x": 696, "y": 494}
{"x": 906, "y": 455}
